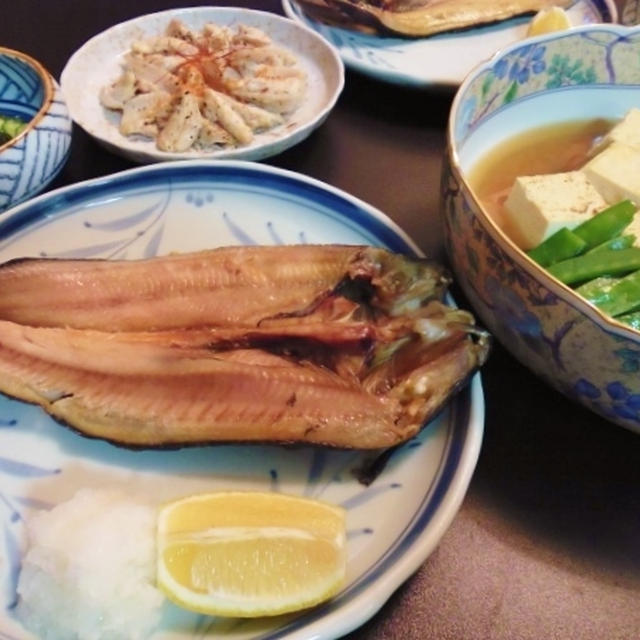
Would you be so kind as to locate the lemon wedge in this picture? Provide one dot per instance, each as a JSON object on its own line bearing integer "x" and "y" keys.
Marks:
{"x": 250, "y": 554}
{"x": 548, "y": 20}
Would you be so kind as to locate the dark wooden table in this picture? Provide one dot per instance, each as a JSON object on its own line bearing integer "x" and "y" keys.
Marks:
{"x": 547, "y": 542}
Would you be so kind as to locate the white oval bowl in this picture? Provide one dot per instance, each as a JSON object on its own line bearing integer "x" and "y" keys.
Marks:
{"x": 97, "y": 63}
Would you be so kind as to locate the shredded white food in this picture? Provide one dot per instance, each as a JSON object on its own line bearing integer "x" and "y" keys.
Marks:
{"x": 89, "y": 572}
{"x": 214, "y": 88}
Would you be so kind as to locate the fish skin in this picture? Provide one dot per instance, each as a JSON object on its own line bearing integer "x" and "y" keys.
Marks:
{"x": 229, "y": 286}
{"x": 152, "y": 393}
{"x": 365, "y": 371}
{"x": 420, "y": 18}
{"x": 168, "y": 399}
{"x": 175, "y": 290}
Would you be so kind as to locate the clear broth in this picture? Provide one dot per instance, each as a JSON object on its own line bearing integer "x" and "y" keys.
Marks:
{"x": 550, "y": 149}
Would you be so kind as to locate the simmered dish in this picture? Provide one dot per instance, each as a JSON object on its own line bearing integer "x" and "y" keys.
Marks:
{"x": 569, "y": 196}
{"x": 540, "y": 153}
{"x": 211, "y": 89}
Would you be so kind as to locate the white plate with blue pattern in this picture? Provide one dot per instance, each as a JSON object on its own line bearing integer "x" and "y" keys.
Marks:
{"x": 184, "y": 206}
{"x": 440, "y": 60}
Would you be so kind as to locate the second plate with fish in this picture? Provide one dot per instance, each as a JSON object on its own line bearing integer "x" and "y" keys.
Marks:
{"x": 187, "y": 206}
{"x": 439, "y": 60}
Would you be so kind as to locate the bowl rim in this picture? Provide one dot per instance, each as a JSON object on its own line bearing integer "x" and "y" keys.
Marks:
{"x": 47, "y": 83}
{"x": 517, "y": 255}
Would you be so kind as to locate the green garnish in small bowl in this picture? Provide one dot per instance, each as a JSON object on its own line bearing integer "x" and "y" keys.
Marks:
{"x": 10, "y": 127}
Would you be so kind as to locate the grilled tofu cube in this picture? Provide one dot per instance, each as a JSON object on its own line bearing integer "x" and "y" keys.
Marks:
{"x": 537, "y": 206}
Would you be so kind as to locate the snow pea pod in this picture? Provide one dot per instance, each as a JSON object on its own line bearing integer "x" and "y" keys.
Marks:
{"x": 624, "y": 296}
{"x": 632, "y": 319}
{"x": 606, "y": 224}
{"x": 615, "y": 244}
{"x": 592, "y": 265}
{"x": 10, "y": 127}
{"x": 559, "y": 246}
{"x": 598, "y": 290}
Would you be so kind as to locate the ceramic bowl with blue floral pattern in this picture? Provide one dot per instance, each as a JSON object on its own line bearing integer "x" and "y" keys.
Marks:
{"x": 32, "y": 159}
{"x": 586, "y": 72}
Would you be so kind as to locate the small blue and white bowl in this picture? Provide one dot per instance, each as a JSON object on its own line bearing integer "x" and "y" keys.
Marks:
{"x": 579, "y": 74}
{"x": 31, "y": 160}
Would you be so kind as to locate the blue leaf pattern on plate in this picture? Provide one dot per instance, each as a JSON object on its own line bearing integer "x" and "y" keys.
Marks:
{"x": 15, "y": 467}
{"x": 240, "y": 235}
{"x": 90, "y": 251}
{"x": 12, "y": 550}
{"x": 125, "y": 222}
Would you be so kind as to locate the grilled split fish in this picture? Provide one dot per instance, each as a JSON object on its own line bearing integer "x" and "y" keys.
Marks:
{"x": 354, "y": 349}
{"x": 418, "y": 18}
